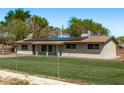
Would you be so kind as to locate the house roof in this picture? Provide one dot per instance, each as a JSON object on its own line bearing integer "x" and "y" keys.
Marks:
{"x": 60, "y": 41}
{"x": 97, "y": 39}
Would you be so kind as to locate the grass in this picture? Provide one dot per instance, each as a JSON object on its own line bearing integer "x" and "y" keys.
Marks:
{"x": 83, "y": 71}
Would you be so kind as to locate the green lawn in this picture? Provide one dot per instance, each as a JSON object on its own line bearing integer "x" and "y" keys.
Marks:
{"x": 91, "y": 71}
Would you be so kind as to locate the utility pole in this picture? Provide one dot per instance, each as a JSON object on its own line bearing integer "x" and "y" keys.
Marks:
{"x": 62, "y": 31}
{"x": 58, "y": 54}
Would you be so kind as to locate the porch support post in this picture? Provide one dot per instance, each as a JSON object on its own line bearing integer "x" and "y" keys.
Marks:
{"x": 36, "y": 49}
{"x": 58, "y": 50}
{"x": 58, "y": 54}
{"x": 47, "y": 51}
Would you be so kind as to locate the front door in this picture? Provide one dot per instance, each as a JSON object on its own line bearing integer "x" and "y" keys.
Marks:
{"x": 48, "y": 48}
{"x": 33, "y": 49}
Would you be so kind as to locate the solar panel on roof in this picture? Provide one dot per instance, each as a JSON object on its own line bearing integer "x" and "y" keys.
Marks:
{"x": 60, "y": 38}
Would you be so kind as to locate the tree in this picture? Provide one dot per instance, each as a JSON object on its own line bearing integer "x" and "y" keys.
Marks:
{"x": 79, "y": 26}
{"x": 18, "y": 14}
{"x": 53, "y": 31}
{"x": 5, "y": 36}
{"x": 17, "y": 29}
{"x": 2, "y": 34}
{"x": 121, "y": 39}
{"x": 75, "y": 27}
{"x": 38, "y": 26}
{"x": 14, "y": 27}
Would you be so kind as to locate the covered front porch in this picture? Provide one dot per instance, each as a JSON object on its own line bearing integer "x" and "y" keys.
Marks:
{"x": 45, "y": 49}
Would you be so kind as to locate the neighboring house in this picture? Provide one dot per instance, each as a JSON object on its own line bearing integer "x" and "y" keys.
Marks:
{"x": 91, "y": 47}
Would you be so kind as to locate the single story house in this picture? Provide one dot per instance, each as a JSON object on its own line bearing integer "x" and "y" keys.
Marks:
{"x": 90, "y": 47}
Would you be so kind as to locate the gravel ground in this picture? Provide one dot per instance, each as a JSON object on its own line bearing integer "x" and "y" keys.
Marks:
{"x": 33, "y": 80}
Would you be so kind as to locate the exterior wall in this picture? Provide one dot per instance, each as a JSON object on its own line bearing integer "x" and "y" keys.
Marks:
{"x": 81, "y": 50}
{"x": 106, "y": 51}
{"x": 20, "y": 51}
{"x": 109, "y": 49}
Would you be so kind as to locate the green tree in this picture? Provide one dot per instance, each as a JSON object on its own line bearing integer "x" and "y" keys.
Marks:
{"x": 121, "y": 39}
{"x": 17, "y": 29}
{"x": 79, "y": 26}
{"x": 14, "y": 27}
{"x": 38, "y": 26}
{"x": 18, "y": 14}
{"x": 2, "y": 34}
{"x": 5, "y": 36}
{"x": 75, "y": 27}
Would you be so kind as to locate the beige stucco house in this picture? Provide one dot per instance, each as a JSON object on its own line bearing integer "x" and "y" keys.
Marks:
{"x": 90, "y": 47}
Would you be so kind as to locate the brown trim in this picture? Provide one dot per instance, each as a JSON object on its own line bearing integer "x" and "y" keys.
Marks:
{"x": 112, "y": 38}
{"x": 62, "y": 42}
{"x": 56, "y": 43}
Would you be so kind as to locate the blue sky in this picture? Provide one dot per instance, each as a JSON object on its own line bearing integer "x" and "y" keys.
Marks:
{"x": 112, "y": 18}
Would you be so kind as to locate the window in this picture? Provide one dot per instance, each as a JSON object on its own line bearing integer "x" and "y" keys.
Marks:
{"x": 43, "y": 48}
{"x": 96, "y": 46}
{"x": 71, "y": 46}
{"x": 93, "y": 46}
{"x": 24, "y": 47}
{"x": 90, "y": 46}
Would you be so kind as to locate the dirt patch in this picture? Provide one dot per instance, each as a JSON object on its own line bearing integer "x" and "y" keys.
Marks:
{"x": 11, "y": 78}
{"x": 13, "y": 81}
